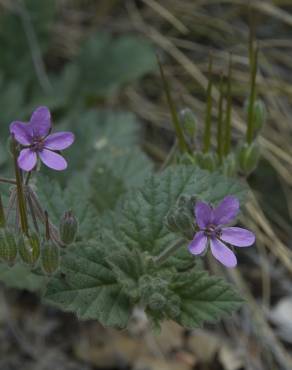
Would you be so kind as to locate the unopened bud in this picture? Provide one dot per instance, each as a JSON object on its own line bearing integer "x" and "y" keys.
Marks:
{"x": 68, "y": 228}
{"x": 8, "y": 247}
{"x": 207, "y": 161}
{"x": 180, "y": 218}
{"x": 248, "y": 157}
{"x": 187, "y": 201}
{"x": 29, "y": 249}
{"x": 189, "y": 121}
{"x": 50, "y": 258}
{"x": 181, "y": 222}
{"x": 173, "y": 306}
{"x": 229, "y": 165}
{"x": 259, "y": 115}
{"x": 156, "y": 301}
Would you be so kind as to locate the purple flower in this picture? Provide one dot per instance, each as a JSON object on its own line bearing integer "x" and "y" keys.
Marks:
{"x": 37, "y": 142}
{"x": 211, "y": 221}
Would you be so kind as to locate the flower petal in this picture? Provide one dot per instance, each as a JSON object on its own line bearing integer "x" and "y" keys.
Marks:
{"x": 203, "y": 214}
{"x": 21, "y": 131}
{"x": 198, "y": 244}
{"x": 237, "y": 236}
{"x": 226, "y": 211}
{"x": 40, "y": 122}
{"x": 53, "y": 160}
{"x": 59, "y": 140}
{"x": 222, "y": 253}
{"x": 27, "y": 159}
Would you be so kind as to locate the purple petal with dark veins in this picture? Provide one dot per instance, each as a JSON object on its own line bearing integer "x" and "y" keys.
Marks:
{"x": 21, "y": 131}
{"x": 198, "y": 244}
{"x": 40, "y": 122}
{"x": 53, "y": 160}
{"x": 226, "y": 211}
{"x": 237, "y": 236}
{"x": 27, "y": 159}
{"x": 59, "y": 141}
{"x": 203, "y": 213}
{"x": 222, "y": 253}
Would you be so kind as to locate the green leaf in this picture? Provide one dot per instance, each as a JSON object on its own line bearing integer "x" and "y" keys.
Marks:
{"x": 203, "y": 298}
{"x": 16, "y": 56}
{"x": 56, "y": 201}
{"x": 97, "y": 133}
{"x": 105, "y": 63}
{"x": 116, "y": 172}
{"x": 101, "y": 280}
{"x": 21, "y": 277}
{"x": 140, "y": 222}
{"x": 89, "y": 288}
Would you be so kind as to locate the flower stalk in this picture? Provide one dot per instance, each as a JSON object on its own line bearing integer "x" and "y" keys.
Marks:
{"x": 20, "y": 193}
{"x": 2, "y": 214}
{"x": 171, "y": 250}
{"x": 220, "y": 139}
{"x": 252, "y": 98}
{"x": 227, "y": 132}
{"x": 208, "y": 114}
{"x": 183, "y": 146}
{"x": 7, "y": 181}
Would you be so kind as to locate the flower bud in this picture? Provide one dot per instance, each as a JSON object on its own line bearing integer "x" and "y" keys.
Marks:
{"x": 229, "y": 165}
{"x": 156, "y": 301}
{"x": 180, "y": 221}
{"x": 259, "y": 115}
{"x": 248, "y": 156}
{"x": 8, "y": 247}
{"x": 207, "y": 161}
{"x": 180, "y": 218}
{"x": 189, "y": 121}
{"x": 173, "y": 306}
{"x": 29, "y": 248}
{"x": 68, "y": 228}
{"x": 50, "y": 258}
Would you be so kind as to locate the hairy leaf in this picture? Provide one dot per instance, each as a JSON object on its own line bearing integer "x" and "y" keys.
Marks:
{"x": 140, "y": 222}
{"x": 203, "y": 298}
{"x": 89, "y": 288}
{"x": 106, "y": 63}
{"x": 21, "y": 277}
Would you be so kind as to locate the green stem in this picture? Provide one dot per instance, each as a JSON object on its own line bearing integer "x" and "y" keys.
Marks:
{"x": 169, "y": 251}
{"x": 220, "y": 123}
{"x": 227, "y": 143}
{"x": 27, "y": 178}
{"x": 175, "y": 120}
{"x": 252, "y": 98}
{"x": 47, "y": 226}
{"x": 208, "y": 113}
{"x": 7, "y": 181}
{"x": 2, "y": 214}
{"x": 20, "y": 194}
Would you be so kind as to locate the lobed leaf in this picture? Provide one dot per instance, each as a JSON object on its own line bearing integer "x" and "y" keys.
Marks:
{"x": 89, "y": 288}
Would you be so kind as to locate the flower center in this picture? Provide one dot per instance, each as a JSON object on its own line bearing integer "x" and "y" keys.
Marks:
{"x": 37, "y": 144}
{"x": 212, "y": 231}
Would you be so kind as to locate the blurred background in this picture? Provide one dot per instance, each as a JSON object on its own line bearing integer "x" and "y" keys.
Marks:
{"x": 93, "y": 63}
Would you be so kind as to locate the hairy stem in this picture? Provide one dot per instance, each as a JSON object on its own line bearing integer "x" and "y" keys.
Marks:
{"x": 2, "y": 214}
{"x": 7, "y": 181}
{"x": 20, "y": 194}
{"x": 171, "y": 250}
